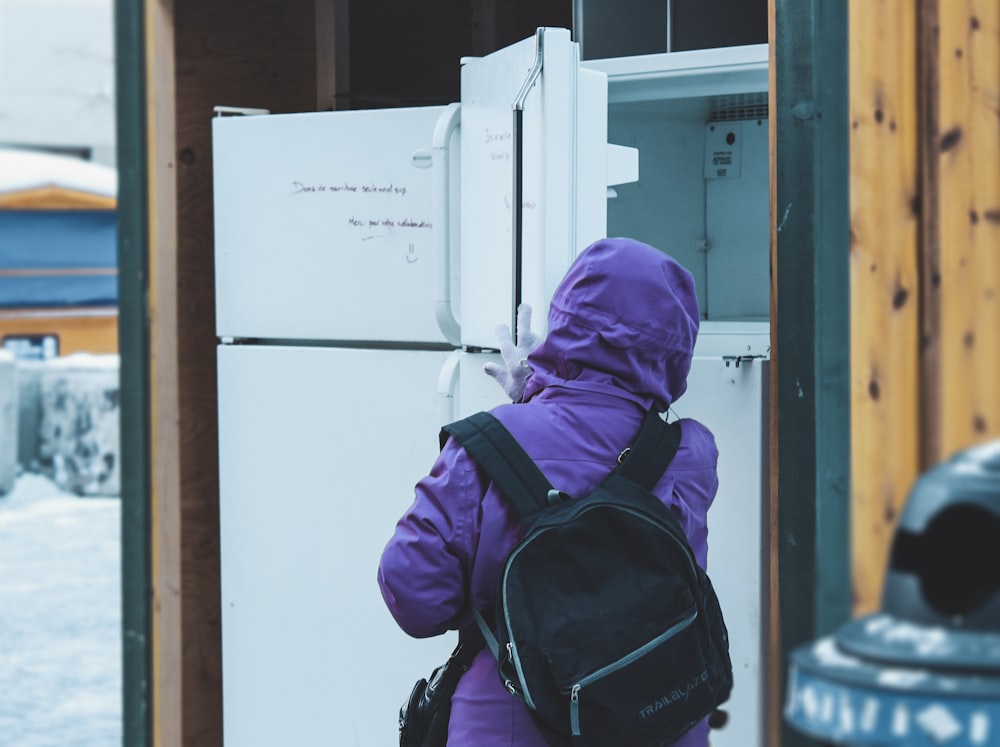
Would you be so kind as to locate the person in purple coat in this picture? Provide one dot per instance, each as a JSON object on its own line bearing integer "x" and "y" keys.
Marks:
{"x": 622, "y": 328}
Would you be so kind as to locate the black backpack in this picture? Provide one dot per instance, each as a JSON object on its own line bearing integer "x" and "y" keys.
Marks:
{"x": 605, "y": 624}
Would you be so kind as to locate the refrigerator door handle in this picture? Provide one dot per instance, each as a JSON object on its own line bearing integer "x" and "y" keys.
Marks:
{"x": 447, "y": 123}
{"x": 517, "y": 195}
{"x": 447, "y": 388}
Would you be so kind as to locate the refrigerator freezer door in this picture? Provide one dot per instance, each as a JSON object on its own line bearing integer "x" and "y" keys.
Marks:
{"x": 731, "y": 401}
{"x": 319, "y": 451}
{"x": 324, "y": 225}
{"x": 563, "y": 169}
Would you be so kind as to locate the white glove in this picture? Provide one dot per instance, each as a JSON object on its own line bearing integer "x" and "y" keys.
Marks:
{"x": 513, "y": 375}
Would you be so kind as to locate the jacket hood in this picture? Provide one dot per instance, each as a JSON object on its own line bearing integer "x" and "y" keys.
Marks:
{"x": 624, "y": 321}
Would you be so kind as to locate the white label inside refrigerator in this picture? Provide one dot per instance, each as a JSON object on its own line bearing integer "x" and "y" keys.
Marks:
{"x": 723, "y": 150}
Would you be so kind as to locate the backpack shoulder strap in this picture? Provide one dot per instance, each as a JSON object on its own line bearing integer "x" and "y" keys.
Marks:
{"x": 651, "y": 452}
{"x": 501, "y": 457}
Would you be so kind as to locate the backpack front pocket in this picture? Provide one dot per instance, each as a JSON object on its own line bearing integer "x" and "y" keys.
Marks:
{"x": 579, "y": 647}
{"x": 644, "y": 695}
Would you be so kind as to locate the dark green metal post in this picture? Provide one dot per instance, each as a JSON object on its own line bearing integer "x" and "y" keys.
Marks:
{"x": 133, "y": 335}
{"x": 813, "y": 330}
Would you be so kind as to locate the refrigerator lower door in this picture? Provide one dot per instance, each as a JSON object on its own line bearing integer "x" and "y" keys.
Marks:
{"x": 319, "y": 451}
{"x": 731, "y": 400}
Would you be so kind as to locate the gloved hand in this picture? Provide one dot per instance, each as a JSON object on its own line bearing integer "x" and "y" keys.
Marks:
{"x": 513, "y": 375}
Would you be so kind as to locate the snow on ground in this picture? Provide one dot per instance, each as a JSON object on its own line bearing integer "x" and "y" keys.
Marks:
{"x": 60, "y": 618}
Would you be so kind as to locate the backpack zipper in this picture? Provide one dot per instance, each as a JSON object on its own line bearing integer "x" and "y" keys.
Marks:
{"x": 511, "y": 646}
{"x": 630, "y": 658}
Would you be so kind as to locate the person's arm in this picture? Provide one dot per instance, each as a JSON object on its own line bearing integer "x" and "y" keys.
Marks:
{"x": 422, "y": 573}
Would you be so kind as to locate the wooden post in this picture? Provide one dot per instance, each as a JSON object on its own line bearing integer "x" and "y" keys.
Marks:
{"x": 885, "y": 282}
{"x": 966, "y": 144}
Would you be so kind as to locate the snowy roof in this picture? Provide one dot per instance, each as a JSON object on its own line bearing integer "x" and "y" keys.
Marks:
{"x": 22, "y": 170}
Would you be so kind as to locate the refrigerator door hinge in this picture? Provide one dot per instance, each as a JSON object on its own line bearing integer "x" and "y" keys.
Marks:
{"x": 738, "y": 359}
{"x": 239, "y": 111}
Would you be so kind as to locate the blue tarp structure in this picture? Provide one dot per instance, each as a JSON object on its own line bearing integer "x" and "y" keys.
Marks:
{"x": 58, "y": 258}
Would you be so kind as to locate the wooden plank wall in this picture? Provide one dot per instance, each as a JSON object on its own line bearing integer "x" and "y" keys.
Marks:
{"x": 885, "y": 280}
{"x": 925, "y": 220}
{"x": 966, "y": 142}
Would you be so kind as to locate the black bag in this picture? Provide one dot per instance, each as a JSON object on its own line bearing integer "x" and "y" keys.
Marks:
{"x": 606, "y": 625}
{"x": 423, "y": 719}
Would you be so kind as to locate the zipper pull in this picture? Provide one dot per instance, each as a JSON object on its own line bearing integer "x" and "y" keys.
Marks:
{"x": 574, "y": 710}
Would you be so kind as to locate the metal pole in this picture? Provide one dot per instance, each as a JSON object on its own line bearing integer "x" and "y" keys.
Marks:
{"x": 133, "y": 335}
{"x": 812, "y": 347}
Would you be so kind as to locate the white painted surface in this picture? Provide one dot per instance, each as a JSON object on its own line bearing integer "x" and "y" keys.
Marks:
{"x": 323, "y": 225}
{"x": 730, "y": 402}
{"x": 319, "y": 452}
{"x": 564, "y": 198}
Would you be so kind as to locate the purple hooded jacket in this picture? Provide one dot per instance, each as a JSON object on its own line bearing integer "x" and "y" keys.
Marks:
{"x": 622, "y": 327}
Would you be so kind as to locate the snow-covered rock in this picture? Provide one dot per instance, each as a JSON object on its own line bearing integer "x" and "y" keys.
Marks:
{"x": 79, "y": 429}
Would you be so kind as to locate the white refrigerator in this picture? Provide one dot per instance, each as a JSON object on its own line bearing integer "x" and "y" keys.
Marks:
{"x": 363, "y": 261}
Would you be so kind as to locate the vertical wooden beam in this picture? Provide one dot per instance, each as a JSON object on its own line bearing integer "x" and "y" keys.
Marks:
{"x": 885, "y": 282}
{"x": 811, "y": 262}
{"x": 968, "y": 199}
{"x": 167, "y": 641}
